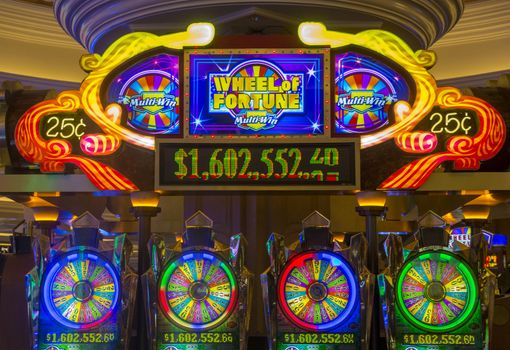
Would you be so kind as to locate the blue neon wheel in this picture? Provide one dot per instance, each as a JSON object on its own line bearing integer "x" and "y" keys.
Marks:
{"x": 80, "y": 289}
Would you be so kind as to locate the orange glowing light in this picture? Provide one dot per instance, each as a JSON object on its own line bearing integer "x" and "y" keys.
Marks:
{"x": 52, "y": 155}
{"x": 371, "y": 198}
{"x": 45, "y": 213}
{"x": 144, "y": 199}
{"x": 476, "y": 212}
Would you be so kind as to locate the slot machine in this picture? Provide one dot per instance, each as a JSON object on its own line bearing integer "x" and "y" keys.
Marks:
{"x": 433, "y": 296}
{"x": 198, "y": 291}
{"x": 80, "y": 292}
{"x": 496, "y": 259}
{"x": 317, "y": 292}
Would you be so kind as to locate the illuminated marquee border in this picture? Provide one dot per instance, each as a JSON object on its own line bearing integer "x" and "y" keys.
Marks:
{"x": 465, "y": 152}
{"x": 52, "y": 155}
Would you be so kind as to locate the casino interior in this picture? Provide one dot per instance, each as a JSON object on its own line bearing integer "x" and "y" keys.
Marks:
{"x": 281, "y": 175}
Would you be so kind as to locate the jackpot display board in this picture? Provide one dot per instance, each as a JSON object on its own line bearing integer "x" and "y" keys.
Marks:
{"x": 80, "y": 298}
{"x": 198, "y": 294}
{"x": 257, "y": 91}
{"x": 437, "y": 303}
{"x": 274, "y": 165}
{"x": 318, "y": 303}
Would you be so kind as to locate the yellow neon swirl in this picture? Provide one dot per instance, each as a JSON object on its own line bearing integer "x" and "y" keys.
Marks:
{"x": 125, "y": 48}
{"x": 395, "y": 49}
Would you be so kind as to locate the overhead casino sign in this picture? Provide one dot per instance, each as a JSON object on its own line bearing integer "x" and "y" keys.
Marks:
{"x": 370, "y": 89}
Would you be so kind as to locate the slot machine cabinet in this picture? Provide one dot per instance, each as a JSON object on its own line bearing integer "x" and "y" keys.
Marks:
{"x": 81, "y": 292}
{"x": 197, "y": 292}
{"x": 496, "y": 259}
{"x": 435, "y": 297}
{"x": 318, "y": 292}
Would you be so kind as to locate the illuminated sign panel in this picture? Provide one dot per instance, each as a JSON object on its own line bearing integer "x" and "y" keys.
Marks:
{"x": 375, "y": 87}
{"x": 149, "y": 92}
{"x": 365, "y": 91}
{"x": 100, "y": 102}
{"x": 275, "y": 165}
{"x": 263, "y": 92}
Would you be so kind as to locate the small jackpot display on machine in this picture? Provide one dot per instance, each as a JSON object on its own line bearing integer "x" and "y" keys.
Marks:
{"x": 433, "y": 298}
{"x": 78, "y": 303}
{"x": 200, "y": 292}
{"x": 257, "y": 91}
{"x": 313, "y": 299}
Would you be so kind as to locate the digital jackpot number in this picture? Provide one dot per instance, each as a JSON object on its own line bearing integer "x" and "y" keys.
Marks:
{"x": 438, "y": 339}
{"x": 59, "y": 338}
{"x": 277, "y": 163}
{"x": 319, "y": 338}
{"x": 198, "y": 338}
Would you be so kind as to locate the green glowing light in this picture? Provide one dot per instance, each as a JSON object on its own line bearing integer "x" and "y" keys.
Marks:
{"x": 418, "y": 271}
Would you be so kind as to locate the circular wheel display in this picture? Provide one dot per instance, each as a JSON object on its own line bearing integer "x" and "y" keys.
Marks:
{"x": 359, "y": 85}
{"x": 436, "y": 291}
{"x": 153, "y": 101}
{"x": 81, "y": 289}
{"x": 317, "y": 290}
{"x": 198, "y": 290}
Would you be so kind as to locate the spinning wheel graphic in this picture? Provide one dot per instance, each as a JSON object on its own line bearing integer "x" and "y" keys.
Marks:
{"x": 436, "y": 291}
{"x": 317, "y": 290}
{"x": 81, "y": 289}
{"x": 152, "y": 118}
{"x": 198, "y": 290}
{"x": 363, "y": 84}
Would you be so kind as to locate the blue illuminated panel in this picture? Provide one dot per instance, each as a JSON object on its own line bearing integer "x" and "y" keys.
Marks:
{"x": 256, "y": 92}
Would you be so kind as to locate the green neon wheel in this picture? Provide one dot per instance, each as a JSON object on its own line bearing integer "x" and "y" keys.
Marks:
{"x": 436, "y": 291}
